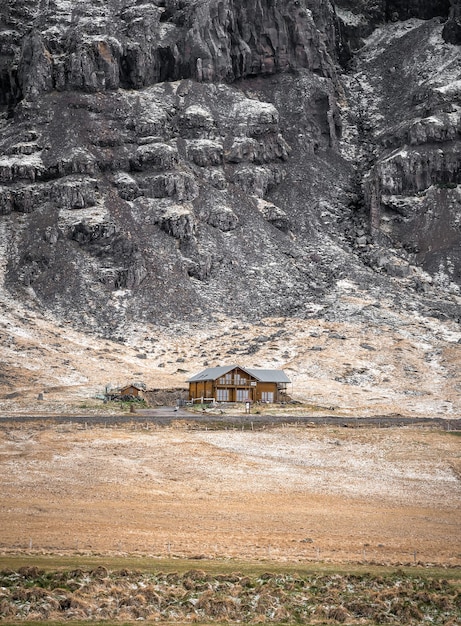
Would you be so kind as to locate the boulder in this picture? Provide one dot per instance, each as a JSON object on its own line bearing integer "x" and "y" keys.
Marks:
{"x": 87, "y": 231}
{"x": 273, "y": 214}
{"x": 21, "y": 168}
{"x": 127, "y": 187}
{"x": 452, "y": 32}
{"x": 196, "y": 122}
{"x": 256, "y": 181}
{"x": 222, "y": 217}
{"x": 249, "y": 150}
{"x": 74, "y": 193}
{"x": 178, "y": 221}
{"x": 179, "y": 185}
{"x": 254, "y": 118}
{"x": 27, "y": 198}
{"x": 438, "y": 128}
{"x": 205, "y": 152}
{"x": 158, "y": 156}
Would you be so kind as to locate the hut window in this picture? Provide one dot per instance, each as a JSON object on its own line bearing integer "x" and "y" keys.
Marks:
{"x": 242, "y": 395}
{"x": 222, "y": 395}
{"x": 267, "y": 396}
{"x": 226, "y": 380}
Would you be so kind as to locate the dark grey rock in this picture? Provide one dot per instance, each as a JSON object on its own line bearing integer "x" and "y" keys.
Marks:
{"x": 452, "y": 32}
{"x": 150, "y": 146}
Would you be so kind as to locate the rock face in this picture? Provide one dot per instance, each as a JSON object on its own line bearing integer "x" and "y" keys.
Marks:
{"x": 195, "y": 159}
{"x": 414, "y": 125}
{"x": 452, "y": 30}
{"x": 106, "y": 45}
{"x": 358, "y": 18}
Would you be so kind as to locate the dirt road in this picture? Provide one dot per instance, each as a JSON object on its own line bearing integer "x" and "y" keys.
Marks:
{"x": 166, "y": 416}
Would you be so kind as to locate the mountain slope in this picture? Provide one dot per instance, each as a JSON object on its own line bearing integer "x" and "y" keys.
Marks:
{"x": 183, "y": 165}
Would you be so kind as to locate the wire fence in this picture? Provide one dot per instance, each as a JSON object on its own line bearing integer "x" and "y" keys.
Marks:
{"x": 271, "y": 553}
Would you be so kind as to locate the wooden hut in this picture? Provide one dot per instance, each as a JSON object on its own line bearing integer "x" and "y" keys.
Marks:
{"x": 234, "y": 383}
{"x": 132, "y": 390}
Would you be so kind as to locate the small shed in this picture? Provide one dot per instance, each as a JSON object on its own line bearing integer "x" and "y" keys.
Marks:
{"x": 132, "y": 390}
{"x": 234, "y": 383}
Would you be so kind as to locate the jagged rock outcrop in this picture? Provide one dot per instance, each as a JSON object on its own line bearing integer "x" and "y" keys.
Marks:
{"x": 99, "y": 46}
{"x": 274, "y": 214}
{"x": 195, "y": 158}
{"x": 452, "y": 30}
{"x": 358, "y": 18}
{"x": 222, "y": 217}
{"x": 421, "y": 9}
{"x": 411, "y": 188}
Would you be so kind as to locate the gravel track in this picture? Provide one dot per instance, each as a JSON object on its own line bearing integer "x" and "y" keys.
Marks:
{"x": 167, "y": 416}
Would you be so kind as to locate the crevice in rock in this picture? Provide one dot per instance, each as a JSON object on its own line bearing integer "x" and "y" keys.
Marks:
{"x": 423, "y": 10}
{"x": 10, "y": 90}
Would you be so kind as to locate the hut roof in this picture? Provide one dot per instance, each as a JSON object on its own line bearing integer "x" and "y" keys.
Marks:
{"x": 263, "y": 375}
{"x": 137, "y": 386}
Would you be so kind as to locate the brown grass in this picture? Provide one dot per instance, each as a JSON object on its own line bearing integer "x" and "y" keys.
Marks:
{"x": 196, "y": 596}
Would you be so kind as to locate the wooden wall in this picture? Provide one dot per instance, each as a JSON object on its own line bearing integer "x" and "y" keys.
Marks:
{"x": 201, "y": 389}
{"x": 207, "y": 389}
{"x": 267, "y": 387}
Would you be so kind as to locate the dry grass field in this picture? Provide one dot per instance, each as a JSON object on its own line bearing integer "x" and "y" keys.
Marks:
{"x": 105, "y": 596}
{"x": 281, "y": 495}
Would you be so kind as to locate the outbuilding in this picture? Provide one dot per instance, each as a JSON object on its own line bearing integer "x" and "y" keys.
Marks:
{"x": 233, "y": 383}
{"x": 132, "y": 390}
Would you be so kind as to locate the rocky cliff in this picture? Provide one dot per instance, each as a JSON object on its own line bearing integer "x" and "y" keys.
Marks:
{"x": 185, "y": 160}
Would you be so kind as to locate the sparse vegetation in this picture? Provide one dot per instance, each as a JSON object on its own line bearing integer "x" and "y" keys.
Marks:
{"x": 125, "y": 405}
{"x": 446, "y": 185}
{"x": 30, "y": 593}
{"x": 199, "y": 407}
